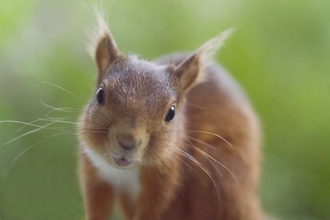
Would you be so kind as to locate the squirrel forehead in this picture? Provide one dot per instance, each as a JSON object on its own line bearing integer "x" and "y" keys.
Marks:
{"x": 140, "y": 82}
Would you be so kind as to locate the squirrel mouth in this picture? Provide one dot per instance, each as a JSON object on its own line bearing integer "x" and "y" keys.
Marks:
{"x": 122, "y": 161}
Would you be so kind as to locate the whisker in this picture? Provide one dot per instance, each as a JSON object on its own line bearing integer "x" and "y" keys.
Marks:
{"x": 31, "y": 123}
{"x": 67, "y": 110}
{"x": 31, "y": 132}
{"x": 92, "y": 131}
{"x": 210, "y": 133}
{"x": 195, "y": 106}
{"x": 63, "y": 109}
{"x": 57, "y": 160}
{"x": 200, "y": 165}
{"x": 57, "y": 120}
{"x": 60, "y": 121}
{"x": 192, "y": 147}
{"x": 215, "y": 166}
{"x": 62, "y": 89}
{"x": 214, "y": 134}
{"x": 202, "y": 142}
{"x": 20, "y": 122}
{"x": 18, "y": 156}
{"x": 192, "y": 159}
{"x": 186, "y": 164}
{"x": 206, "y": 155}
{"x": 216, "y": 161}
{"x": 107, "y": 118}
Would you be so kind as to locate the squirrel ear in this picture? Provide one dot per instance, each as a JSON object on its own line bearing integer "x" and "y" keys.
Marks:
{"x": 190, "y": 71}
{"x": 106, "y": 52}
{"x": 103, "y": 47}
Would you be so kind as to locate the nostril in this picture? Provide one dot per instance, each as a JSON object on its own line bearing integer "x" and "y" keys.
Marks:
{"x": 126, "y": 145}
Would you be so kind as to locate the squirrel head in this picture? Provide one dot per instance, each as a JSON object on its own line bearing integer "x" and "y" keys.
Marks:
{"x": 137, "y": 116}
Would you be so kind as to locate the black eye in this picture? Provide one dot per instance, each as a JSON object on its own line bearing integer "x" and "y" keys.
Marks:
{"x": 170, "y": 114}
{"x": 100, "y": 96}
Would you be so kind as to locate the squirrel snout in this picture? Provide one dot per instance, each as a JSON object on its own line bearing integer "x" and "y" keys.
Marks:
{"x": 127, "y": 141}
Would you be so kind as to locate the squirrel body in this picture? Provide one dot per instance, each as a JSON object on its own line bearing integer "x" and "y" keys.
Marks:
{"x": 175, "y": 138}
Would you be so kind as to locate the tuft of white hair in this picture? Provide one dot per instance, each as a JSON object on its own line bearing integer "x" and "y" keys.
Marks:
{"x": 98, "y": 32}
{"x": 208, "y": 49}
{"x": 206, "y": 52}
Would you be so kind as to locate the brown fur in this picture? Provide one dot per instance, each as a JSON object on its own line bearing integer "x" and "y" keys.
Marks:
{"x": 188, "y": 170}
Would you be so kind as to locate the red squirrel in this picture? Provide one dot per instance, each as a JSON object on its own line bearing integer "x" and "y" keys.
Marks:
{"x": 175, "y": 138}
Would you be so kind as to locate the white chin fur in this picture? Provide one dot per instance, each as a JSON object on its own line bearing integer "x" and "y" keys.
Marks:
{"x": 120, "y": 179}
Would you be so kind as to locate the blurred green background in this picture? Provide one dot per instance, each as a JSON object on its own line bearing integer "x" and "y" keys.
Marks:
{"x": 280, "y": 55}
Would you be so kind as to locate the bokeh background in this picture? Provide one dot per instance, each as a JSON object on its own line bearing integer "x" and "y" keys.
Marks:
{"x": 280, "y": 54}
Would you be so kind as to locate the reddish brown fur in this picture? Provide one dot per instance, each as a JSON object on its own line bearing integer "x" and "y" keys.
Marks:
{"x": 173, "y": 186}
{"x": 98, "y": 195}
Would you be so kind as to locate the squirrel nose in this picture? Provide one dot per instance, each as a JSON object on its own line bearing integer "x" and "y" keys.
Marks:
{"x": 126, "y": 141}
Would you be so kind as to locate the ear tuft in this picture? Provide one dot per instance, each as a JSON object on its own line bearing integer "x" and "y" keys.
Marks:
{"x": 99, "y": 30}
{"x": 190, "y": 71}
{"x": 208, "y": 49}
{"x": 103, "y": 47}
